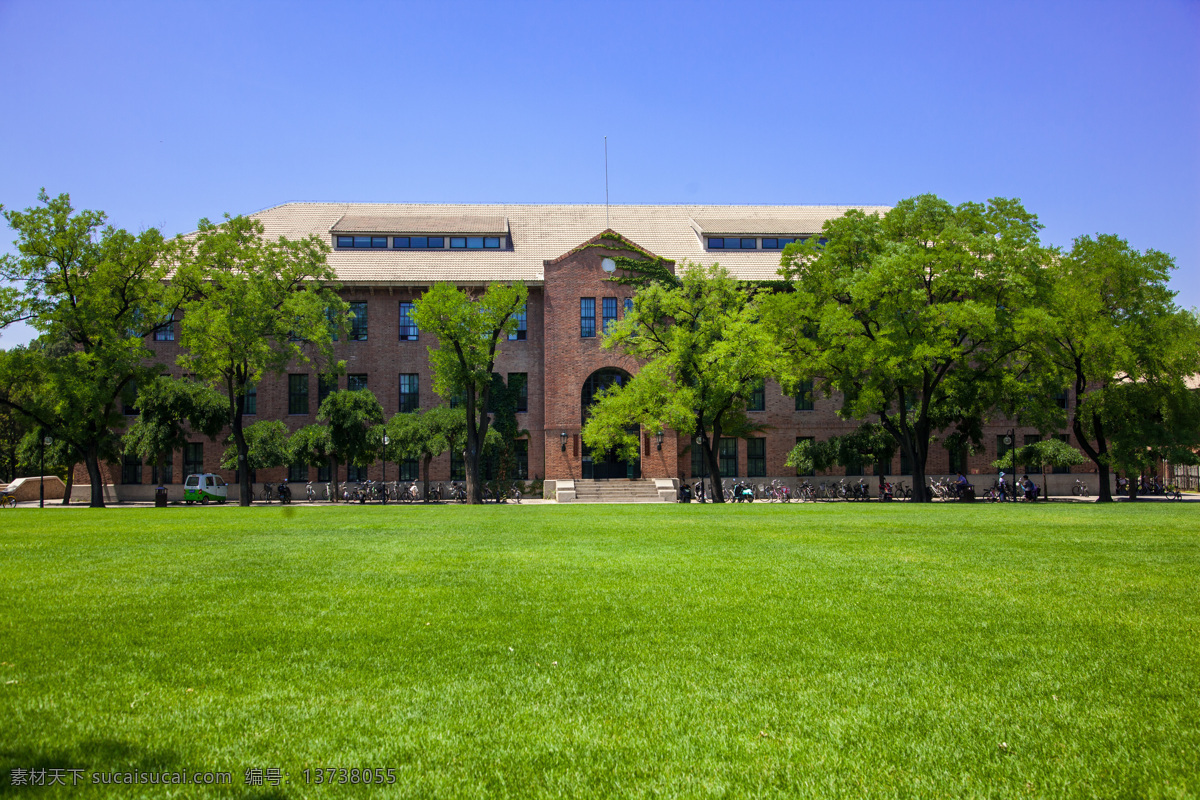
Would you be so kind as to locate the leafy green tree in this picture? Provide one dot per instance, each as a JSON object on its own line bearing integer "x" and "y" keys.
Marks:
{"x": 352, "y": 418}
{"x": 268, "y": 446}
{"x": 425, "y": 435}
{"x": 915, "y": 317}
{"x": 1050, "y": 452}
{"x": 93, "y": 292}
{"x": 169, "y": 410}
{"x": 705, "y": 354}
{"x": 251, "y": 306}
{"x": 58, "y": 458}
{"x": 867, "y": 444}
{"x": 311, "y": 445}
{"x": 13, "y": 427}
{"x": 1120, "y": 341}
{"x": 469, "y": 331}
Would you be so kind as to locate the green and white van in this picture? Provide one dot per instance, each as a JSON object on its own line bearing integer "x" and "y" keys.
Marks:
{"x": 205, "y": 488}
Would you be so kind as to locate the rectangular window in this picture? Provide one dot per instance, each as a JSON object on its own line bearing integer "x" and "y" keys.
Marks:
{"x": 587, "y": 317}
{"x": 458, "y": 241}
{"x": 131, "y": 470}
{"x": 800, "y": 439}
{"x": 165, "y": 474}
{"x": 732, "y": 243}
{"x": 458, "y": 469}
{"x": 1060, "y": 399}
{"x": 756, "y": 458}
{"x": 458, "y": 399}
{"x": 251, "y": 401}
{"x": 165, "y": 332}
{"x": 776, "y": 244}
{"x": 298, "y": 394}
{"x": 804, "y": 396}
{"x": 520, "y": 382}
{"x": 129, "y": 398}
{"x": 193, "y": 458}
{"x": 355, "y": 473}
{"x": 699, "y": 466}
{"x": 758, "y": 397}
{"x": 323, "y": 473}
{"x": 727, "y": 454}
{"x": 362, "y": 242}
{"x": 1066, "y": 439}
{"x": 408, "y": 325}
{"x": 522, "y": 458}
{"x": 409, "y": 470}
{"x": 905, "y": 464}
{"x": 958, "y": 460}
{"x": 609, "y": 312}
{"x": 356, "y": 381}
{"x": 522, "y": 330}
{"x": 418, "y": 242}
{"x": 358, "y": 323}
{"x": 628, "y": 305}
{"x": 410, "y": 392}
{"x": 326, "y": 385}
{"x": 298, "y": 473}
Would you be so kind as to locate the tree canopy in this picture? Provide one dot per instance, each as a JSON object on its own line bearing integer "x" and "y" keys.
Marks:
{"x": 470, "y": 327}
{"x": 251, "y": 306}
{"x": 93, "y": 292}
{"x": 704, "y": 352}
{"x": 914, "y": 317}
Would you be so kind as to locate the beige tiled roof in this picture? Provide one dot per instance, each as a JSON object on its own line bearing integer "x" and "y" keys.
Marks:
{"x": 538, "y": 233}
{"x": 417, "y": 224}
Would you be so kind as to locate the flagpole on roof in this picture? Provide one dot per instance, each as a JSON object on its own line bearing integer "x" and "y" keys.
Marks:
{"x": 606, "y": 223}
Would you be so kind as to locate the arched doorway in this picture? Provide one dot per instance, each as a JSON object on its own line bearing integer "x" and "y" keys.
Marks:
{"x": 597, "y": 465}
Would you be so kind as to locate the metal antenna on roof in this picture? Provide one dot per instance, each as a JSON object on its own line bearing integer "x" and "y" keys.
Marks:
{"x": 606, "y": 223}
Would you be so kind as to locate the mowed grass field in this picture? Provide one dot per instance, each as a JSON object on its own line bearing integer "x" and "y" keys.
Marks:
{"x": 834, "y": 650}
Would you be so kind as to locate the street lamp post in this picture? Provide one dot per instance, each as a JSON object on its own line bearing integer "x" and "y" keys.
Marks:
{"x": 386, "y": 442}
{"x": 1011, "y": 441}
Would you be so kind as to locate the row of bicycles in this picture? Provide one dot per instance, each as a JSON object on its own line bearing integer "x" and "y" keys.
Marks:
{"x": 778, "y": 492}
{"x": 382, "y": 492}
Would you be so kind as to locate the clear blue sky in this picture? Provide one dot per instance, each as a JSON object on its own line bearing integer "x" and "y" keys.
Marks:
{"x": 161, "y": 113}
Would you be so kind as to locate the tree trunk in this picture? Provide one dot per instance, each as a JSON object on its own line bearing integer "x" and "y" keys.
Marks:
{"x": 70, "y": 484}
{"x": 333, "y": 479}
{"x": 425, "y": 471}
{"x": 92, "y": 459}
{"x": 245, "y": 491}
{"x": 711, "y": 449}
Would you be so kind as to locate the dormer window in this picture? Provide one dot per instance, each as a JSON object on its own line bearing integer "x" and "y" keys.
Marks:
{"x": 362, "y": 242}
{"x": 778, "y": 244}
{"x": 475, "y": 242}
{"x": 732, "y": 243}
{"x": 418, "y": 242}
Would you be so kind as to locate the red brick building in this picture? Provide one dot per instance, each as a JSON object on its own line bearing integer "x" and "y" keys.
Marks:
{"x": 386, "y": 255}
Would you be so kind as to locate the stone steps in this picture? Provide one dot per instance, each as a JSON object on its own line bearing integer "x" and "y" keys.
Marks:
{"x": 616, "y": 491}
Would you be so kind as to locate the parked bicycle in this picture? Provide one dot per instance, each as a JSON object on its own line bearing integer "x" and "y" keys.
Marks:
{"x": 267, "y": 494}
{"x": 1080, "y": 489}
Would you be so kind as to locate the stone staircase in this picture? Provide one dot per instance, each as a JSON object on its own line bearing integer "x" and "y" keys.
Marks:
{"x": 620, "y": 491}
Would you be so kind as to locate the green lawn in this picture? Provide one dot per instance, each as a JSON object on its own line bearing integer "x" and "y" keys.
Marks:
{"x": 652, "y": 651}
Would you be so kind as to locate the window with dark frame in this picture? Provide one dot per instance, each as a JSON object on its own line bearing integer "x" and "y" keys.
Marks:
{"x": 756, "y": 457}
{"x": 251, "y": 407}
{"x": 355, "y": 473}
{"x": 475, "y": 242}
{"x": 800, "y": 439}
{"x": 727, "y": 456}
{"x": 418, "y": 242}
{"x": 804, "y": 396}
{"x": 129, "y": 399}
{"x": 699, "y": 465}
{"x": 358, "y": 322}
{"x": 326, "y": 385}
{"x": 520, "y": 382}
{"x": 758, "y": 397}
{"x": 193, "y": 458}
{"x": 410, "y": 391}
{"x": 732, "y": 243}
{"x": 298, "y": 473}
{"x": 776, "y": 244}
{"x": 628, "y": 305}
{"x": 362, "y": 242}
{"x": 458, "y": 469}
{"x": 957, "y": 459}
{"x": 521, "y": 455}
{"x": 160, "y": 476}
{"x": 165, "y": 332}
{"x": 356, "y": 382}
{"x": 131, "y": 469}
{"x": 609, "y": 313}
{"x": 587, "y": 317}
{"x": 408, "y": 325}
{"x": 298, "y": 394}
{"x": 522, "y": 318}
{"x": 323, "y": 473}
{"x": 410, "y": 470}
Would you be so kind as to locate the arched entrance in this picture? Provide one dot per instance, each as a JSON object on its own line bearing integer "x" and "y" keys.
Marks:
{"x": 605, "y": 466}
